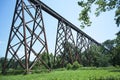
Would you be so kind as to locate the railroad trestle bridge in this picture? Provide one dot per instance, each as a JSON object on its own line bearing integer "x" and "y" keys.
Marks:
{"x": 27, "y": 33}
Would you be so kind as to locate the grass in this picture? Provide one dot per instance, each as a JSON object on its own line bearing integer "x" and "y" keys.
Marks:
{"x": 81, "y": 74}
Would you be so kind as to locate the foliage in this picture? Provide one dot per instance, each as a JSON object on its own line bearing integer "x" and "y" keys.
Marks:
{"x": 100, "y": 6}
{"x": 116, "y": 51}
{"x": 116, "y": 57}
{"x": 114, "y": 47}
{"x": 51, "y": 60}
{"x": 109, "y": 44}
{"x": 69, "y": 52}
{"x": 69, "y": 66}
{"x": 46, "y": 58}
{"x": 103, "y": 61}
{"x": 76, "y": 65}
{"x": 1, "y": 62}
{"x": 14, "y": 65}
{"x": 113, "y": 56}
{"x": 67, "y": 55}
{"x": 95, "y": 56}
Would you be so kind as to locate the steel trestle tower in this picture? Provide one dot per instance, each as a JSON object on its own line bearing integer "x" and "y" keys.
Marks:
{"x": 27, "y": 39}
{"x": 64, "y": 39}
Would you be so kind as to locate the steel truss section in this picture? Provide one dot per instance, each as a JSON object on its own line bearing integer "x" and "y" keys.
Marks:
{"x": 64, "y": 45}
{"x": 27, "y": 39}
{"x": 83, "y": 44}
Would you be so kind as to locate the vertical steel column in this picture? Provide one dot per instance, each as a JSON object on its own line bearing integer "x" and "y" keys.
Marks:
{"x": 27, "y": 39}
{"x": 78, "y": 46}
{"x": 24, "y": 38}
{"x": 63, "y": 47}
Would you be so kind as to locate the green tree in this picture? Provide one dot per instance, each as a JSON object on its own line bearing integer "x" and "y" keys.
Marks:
{"x": 44, "y": 61}
{"x": 109, "y": 44}
{"x": 95, "y": 56}
{"x": 67, "y": 55}
{"x": 51, "y": 56}
{"x": 69, "y": 51}
{"x": 114, "y": 47}
{"x": 76, "y": 65}
{"x": 116, "y": 51}
{"x": 100, "y": 6}
{"x": 2, "y": 62}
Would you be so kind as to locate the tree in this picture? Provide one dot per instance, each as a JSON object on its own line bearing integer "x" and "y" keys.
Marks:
{"x": 116, "y": 51}
{"x": 109, "y": 44}
{"x": 2, "y": 62}
{"x": 114, "y": 47}
{"x": 95, "y": 56}
{"x": 101, "y": 6}
{"x": 66, "y": 56}
{"x": 43, "y": 62}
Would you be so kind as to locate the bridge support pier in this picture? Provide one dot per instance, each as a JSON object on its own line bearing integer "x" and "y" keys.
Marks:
{"x": 82, "y": 45}
{"x": 27, "y": 39}
{"x": 64, "y": 45}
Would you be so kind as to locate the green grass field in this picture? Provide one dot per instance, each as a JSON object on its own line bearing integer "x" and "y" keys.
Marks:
{"x": 81, "y": 74}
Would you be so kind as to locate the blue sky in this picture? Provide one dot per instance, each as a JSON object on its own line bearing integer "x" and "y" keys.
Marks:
{"x": 103, "y": 27}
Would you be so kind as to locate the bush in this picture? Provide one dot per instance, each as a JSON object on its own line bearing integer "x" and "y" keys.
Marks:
{"x": 60, "y": 69}
{"x": 69, "y": 66}
{"x": 117, "y": 66}
{"x": 76, "y": 65}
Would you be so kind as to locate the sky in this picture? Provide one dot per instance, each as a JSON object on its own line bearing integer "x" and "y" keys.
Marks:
{"x": 102, "y": 28}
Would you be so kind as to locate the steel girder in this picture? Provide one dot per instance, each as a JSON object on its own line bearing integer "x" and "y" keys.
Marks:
{"x": 27, "y": 39}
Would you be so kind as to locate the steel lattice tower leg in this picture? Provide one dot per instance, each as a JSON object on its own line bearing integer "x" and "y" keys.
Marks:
{"x": 83, "y": 44}
{"x": 27, "y": 39}
{"x": 63, "y": 47}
